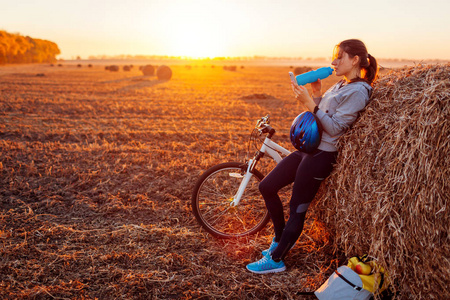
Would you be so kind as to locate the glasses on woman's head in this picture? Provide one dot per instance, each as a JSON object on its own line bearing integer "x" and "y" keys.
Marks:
{"x": 338, "y": 52}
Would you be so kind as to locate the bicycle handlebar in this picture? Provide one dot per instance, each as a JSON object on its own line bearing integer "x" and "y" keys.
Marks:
{"x": 262, "y": 121}
{"x": 262, "y": 125}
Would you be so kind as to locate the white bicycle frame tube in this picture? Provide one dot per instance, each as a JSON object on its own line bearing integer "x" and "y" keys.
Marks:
{"x": 243, "y": 185}
{"x": 270, "y": 148}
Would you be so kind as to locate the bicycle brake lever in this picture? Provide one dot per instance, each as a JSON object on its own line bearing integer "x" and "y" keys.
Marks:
{"x": 262, "y": 121}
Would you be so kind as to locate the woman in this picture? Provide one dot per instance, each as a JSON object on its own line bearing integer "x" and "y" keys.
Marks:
{"x": 337, "y": 109}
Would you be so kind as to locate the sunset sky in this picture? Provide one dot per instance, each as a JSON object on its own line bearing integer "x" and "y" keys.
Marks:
{"x": 408, "y": 29}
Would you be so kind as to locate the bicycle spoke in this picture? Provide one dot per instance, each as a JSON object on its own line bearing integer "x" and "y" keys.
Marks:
{"x": 241, "y": 221}
{"x": 218, "y": 217}
{"x": 212, "y": 211}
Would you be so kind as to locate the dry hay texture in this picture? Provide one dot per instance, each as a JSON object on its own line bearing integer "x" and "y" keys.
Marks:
{"x": 388, "y": 195}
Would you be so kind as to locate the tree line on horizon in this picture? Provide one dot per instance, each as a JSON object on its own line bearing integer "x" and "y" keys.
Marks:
{"x": 15, "y": 48}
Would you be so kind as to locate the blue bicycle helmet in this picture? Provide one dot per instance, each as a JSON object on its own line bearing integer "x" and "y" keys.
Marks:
{"x": 306, "y": 132}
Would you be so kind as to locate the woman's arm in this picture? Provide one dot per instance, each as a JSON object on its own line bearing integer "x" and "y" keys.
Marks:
{"x": 317, "y": 100}
{"x": 316, "y": 89}
{"x": 346, "y": 113}
{"x": 303, "y": 97}
{"x": 301, "y": 94}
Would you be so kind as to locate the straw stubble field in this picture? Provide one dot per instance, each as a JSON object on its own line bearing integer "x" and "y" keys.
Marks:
{"x": 97, "y": 170}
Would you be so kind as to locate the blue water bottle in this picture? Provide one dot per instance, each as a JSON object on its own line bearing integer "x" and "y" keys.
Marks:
{"x": 313, "y": 76}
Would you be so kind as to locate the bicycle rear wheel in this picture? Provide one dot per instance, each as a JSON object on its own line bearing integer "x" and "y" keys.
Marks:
{"x": 213, "y": 194}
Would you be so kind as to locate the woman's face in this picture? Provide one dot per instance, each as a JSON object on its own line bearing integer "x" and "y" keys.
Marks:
{"x": 344, "y": 65}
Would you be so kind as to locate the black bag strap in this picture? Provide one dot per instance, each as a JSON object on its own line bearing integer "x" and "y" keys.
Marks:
{"x": 364, "y": 258}
{"x": 355, "y": 287}
{"x": 305, "y": 293}
{"x": 382, "y": 280}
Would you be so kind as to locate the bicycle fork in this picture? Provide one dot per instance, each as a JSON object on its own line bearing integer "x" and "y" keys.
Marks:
{"x": 245, "y": 179}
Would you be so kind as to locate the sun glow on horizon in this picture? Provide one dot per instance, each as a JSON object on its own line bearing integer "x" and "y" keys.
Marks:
{"x": 204, "y": 30}
{"x": 195, "y": 42}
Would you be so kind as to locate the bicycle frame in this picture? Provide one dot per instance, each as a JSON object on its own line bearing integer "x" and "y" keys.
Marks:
{"x": 271, "y": 148}
{"x": 268, "y": 147}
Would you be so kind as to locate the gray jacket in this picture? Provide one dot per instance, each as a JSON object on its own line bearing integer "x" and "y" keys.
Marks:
{"x": 339, "y": 108}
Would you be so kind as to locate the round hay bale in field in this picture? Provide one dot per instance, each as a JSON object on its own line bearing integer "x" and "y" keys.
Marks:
{"x": 127, "y": 68}
{"x": 114, "y": 68}
{"x": 388, "y": 195}
{"x": 148, "y": 70}
{"x": 164, "y": 73}
{"x": 301, "y": 70}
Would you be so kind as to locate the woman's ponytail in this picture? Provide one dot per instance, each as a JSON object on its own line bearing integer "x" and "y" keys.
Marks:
{"x": 371, "y": 69}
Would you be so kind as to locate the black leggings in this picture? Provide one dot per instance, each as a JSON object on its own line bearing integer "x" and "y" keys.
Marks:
{"x": 306, "y": 171}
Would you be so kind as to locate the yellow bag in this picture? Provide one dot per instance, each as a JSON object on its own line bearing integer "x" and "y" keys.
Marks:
{"x": 373, "y": 276}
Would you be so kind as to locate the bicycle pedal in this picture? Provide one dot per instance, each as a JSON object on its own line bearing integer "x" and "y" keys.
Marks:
{"x": 236, "y": 175}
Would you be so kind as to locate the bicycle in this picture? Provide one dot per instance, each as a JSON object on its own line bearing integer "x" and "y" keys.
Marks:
{"x": 226, "y": 200}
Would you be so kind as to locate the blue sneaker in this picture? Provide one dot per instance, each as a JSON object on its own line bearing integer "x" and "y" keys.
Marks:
{"x": 272, "y": 247}
{"x": 266, "y": 265}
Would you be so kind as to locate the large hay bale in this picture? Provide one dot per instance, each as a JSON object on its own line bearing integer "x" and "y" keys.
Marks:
{"x": 164, "y": 73}
{"x": 388, "y": 195}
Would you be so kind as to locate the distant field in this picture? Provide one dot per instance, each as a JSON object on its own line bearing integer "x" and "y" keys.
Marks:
{"x": 97, "y": 170}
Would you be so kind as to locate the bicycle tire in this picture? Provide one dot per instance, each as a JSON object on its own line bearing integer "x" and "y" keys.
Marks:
{"x": 213, "y": 194}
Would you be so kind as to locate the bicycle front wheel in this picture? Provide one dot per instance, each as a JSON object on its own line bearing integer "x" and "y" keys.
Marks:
{"x": 214, "y": 192}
